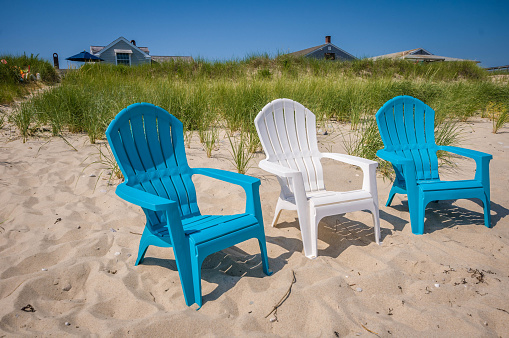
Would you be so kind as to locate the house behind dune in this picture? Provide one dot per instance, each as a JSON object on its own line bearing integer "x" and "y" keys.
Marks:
{"x": 124, "y": 52}
{"x": 326, "y": 51}
{"x": 418, "y": 54}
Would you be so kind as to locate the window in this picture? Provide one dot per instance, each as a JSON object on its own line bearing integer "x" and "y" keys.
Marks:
{"x": 330, "y": 56}
{"x": 123, "y": 59}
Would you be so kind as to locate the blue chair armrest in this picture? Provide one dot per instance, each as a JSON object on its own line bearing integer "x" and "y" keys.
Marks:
{"x": 250, "y": 185}
{"x": 482, "y": 162}
{"x": 474, "y": 154}
{"x": 408, "y": 165}
{"x": 227, "y": 176}
{"x": 393, "y": 157}
{"x": 144, "y": 199}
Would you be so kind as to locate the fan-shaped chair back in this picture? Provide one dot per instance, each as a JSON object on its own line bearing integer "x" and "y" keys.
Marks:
{"x": 287, "y": 133}
{"x": 148, "y": 145}
{"x": 407, "y": 127}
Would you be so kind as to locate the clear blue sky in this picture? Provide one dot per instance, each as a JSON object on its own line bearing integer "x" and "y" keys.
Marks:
{"x": 219, "y": 30}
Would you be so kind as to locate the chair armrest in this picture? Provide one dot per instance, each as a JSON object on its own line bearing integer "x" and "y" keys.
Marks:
{"x": 297, "y": 182}
{"x": 482, "y": 162}
{"x": 250, "y": 185}
{"x": 144, "y": 199}
{"x": 474, "y": 154}
{"x": 408, "y": 165}
{"x": 363, "y": 163}
{"x": 368, "y": 169}
{"x": 393, "y": 157}
{"x": 227, "y": 176}
{"x": 279, "y": 170}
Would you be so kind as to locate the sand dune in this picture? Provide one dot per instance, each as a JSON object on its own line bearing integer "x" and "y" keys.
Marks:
{"x": 68, "y": 250}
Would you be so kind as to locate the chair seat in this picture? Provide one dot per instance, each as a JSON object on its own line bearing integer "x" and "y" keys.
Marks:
{"x": 204, "y": 228}
{"x": 426, "y": 186}
{"x": 324, "y": 197}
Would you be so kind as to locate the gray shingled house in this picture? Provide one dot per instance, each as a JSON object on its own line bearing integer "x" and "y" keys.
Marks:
{"x": 418, "y": 54}
{"x": 123, "y": 52}
{"x": 326, "y": 51}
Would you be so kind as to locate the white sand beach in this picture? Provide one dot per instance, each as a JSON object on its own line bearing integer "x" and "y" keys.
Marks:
{"x": 68, "y": 250}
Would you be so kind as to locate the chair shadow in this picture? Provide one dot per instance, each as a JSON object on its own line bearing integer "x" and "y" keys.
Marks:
{"x": 444, "y": 214}
{"x": 224, "y": 268}
{"x": 337, "y": 231}
{"x": 397, "y": 222}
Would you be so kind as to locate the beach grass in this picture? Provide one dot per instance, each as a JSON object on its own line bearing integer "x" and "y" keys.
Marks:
{"x": 210, "y": 94}
{"x": 240, "y": 151}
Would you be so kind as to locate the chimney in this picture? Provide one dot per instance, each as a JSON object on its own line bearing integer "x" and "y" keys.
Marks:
{"x": 327, "y": 39}
{"x": 134, "y": 42}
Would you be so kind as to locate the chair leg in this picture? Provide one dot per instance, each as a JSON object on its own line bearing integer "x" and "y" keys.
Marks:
{"x": 277, "y": 212}
{"x": 144, "y": 244}
{"x": 376, "y": 221}
{"x": 310, "y": 236}
{"x": 391, "y": 196}
{"x": 263, "y": 253}
{"x": 416, "y": 217}
{"x": 196, "y": 272}
{"x": 487, "y": 211}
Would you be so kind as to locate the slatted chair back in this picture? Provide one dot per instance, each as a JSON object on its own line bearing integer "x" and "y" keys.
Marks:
{"x": 287, "y": 133}
{"x": 147, "y": 143}
{"x": 407, "y": 127}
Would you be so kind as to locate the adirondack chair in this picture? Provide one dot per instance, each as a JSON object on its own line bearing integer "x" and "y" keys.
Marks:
{"x": 148, "y": 144}
{"x": 287, "y": 132}
{"x": 407, "y": 126}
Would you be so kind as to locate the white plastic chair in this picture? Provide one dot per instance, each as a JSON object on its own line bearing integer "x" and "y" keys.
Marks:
{"x": 287, "y": 132}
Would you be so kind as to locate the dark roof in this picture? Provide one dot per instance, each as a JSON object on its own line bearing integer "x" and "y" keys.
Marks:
{"x": 306, "y": 51}
{"x": 159, "y": 59}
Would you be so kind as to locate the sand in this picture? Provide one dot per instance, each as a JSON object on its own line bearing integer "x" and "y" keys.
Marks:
{"x": 68, "y": 246}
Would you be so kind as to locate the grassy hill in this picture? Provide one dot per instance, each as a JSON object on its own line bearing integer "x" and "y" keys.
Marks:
{"x": 206, "y": 94}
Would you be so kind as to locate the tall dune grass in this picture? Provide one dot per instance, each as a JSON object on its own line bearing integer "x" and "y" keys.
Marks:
{"x": 204, "y": 94}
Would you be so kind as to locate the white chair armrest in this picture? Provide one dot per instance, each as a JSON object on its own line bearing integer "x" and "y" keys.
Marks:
{"x": 297, "y": 182}
{"x": 279, "y": 170}
{"x": 368, "y": 169}
{"x": 363, "y": 163}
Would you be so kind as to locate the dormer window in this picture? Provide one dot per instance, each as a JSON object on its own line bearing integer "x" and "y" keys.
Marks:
{"x": 123, "y": 56}
{"x": 123, "y": 59}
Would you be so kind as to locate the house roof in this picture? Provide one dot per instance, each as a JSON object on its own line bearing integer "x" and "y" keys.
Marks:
{"x": 98, "y": 50}
{"x": 171, "y": 58}
{"x": 307, "y": 51}
{"x": 418, "y": 54}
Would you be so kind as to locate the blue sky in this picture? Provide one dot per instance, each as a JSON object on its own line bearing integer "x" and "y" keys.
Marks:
{"x": 220, "y": 30}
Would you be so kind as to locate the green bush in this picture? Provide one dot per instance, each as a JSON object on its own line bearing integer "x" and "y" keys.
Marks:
{"x": 12, "y": 82}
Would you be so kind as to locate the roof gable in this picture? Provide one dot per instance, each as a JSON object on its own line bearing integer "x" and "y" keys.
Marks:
{"x": 100, "y": 51}
{"x": 333, "y": 46}
{"x": 309, "y": 51}
{"x": 419, "y": 51}
{"x": 418, "y": 54}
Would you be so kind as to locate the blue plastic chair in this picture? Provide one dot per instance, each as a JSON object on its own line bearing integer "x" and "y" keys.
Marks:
{"x": 148, "y": 144}
{"x": 407, "y": 127}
